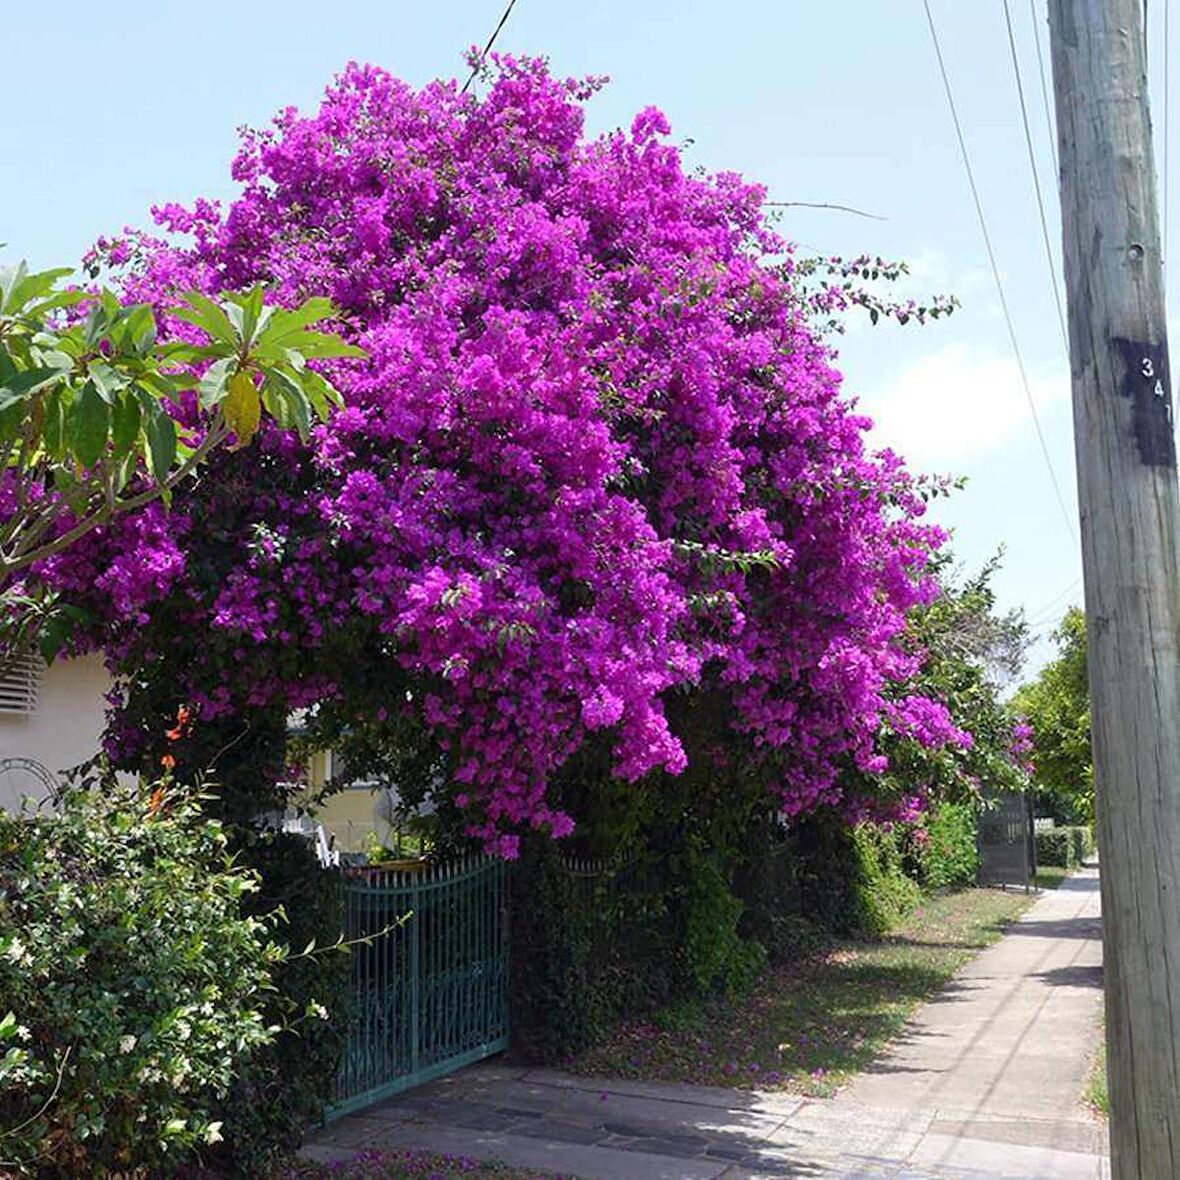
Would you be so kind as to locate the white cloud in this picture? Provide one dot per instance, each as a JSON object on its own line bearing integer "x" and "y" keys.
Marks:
{"x": 955, "y": 404}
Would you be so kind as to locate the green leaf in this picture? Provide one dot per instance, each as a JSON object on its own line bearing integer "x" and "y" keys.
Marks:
{"x": 8, "y": 1025}
{"x": 208, "y": 316}
{"x": 12, "y": 418}
{"x": 96, "y": 325}
{"x": 288, "y": 393}
{"x": 141, "y": 329}
{"x": 187, "y": 354}
{"x": 323, "y": 344}
{"x": 106, "y": 380}
{"x": 21, "y": 288}
{"x": 160, "y": 432}
{"x": 321, "y": 393}
{"x": 24, "y": 384}
{"x": 58, "y": 299}
{"x": 286, "y": 322}
{"x": 248, "y": 313}
{"x": 215, "y": 382}
{"x": 89, "y": 423}
{"x": 125, "y": 419}
{"x": 53, "y": 428}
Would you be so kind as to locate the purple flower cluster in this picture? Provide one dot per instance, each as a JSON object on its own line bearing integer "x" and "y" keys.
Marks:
{"x": 598, "y": 454}
{"x": 1023, "y": 744}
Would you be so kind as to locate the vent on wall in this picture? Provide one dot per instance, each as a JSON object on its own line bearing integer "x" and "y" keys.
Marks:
{"x": 20, "y": 683}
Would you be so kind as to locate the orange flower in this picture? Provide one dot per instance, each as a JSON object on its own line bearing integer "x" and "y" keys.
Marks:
{"x": 183, "y": 725}
{"x": 156, "y": 801}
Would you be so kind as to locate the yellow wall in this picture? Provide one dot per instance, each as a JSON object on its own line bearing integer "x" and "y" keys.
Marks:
{"x": 350, "y": 816}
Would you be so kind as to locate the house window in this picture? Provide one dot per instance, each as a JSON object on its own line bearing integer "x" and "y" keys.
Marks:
{"x": 20, "y": 682}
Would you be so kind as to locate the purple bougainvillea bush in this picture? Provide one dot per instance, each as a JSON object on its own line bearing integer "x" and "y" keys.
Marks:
{"x": 598, "y": 456}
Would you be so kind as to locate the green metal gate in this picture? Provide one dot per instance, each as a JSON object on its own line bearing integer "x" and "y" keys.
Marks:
{"x": 431, "y": 995}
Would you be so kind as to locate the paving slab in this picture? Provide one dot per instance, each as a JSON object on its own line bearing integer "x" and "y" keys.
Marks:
{"x": 984, "y": 1083}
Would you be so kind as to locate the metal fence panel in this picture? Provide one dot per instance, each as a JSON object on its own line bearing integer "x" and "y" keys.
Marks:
{"x": 431, "y": 993}
{"x": 1007, "y": 850}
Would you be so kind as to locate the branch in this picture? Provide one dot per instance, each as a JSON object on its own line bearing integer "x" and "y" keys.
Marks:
{"x": 825, "y": 205}
{"x": 218, "y": 433}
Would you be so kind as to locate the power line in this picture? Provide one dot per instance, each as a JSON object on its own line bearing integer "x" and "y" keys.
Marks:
{"x": 1053, "y": 606}
{"x": 1050, "y": 122}
{"x": 488, "y": 47}
{"x": 991, "y": 255}
{"x": 1032, "y": 160}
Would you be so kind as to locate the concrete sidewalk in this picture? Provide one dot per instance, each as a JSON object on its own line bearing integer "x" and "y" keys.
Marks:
{"x": 984, "y": 1083}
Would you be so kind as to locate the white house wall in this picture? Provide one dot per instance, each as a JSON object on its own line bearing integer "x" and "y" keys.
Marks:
{"x": 63, "y": 730}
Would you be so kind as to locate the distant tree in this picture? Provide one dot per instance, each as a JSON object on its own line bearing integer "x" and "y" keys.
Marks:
{"x": 1057, "y": 705}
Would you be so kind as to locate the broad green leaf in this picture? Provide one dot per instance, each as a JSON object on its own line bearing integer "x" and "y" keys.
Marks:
{"x": 125, "y": 418}
{"x": 11, "y": 419}
{"x": 53, "y": 430}
{"x": 109, "y": 382}
{"x": 10, "y": 276}
{"x": 188, "y": 354}
{"x": 57, "y": 299}
{"x": 322, "y": 394}
{"x": 24, "y": 287}
{"x": 155, "y": 385}
{"x": 247, "y": 312}
{"x": 322, "y": 344}
{"x": 276, "y": 405}
{"x": 286, "y": 322}
{"x": 22, "y": 385}
{"x": 160, "y": 432}
{"x": 126, "y": 469}
{"x": 89, "y": 424}
{"x": 208, "y": 316}
{"x": 242, "y": 407}
{"x": 215, "y": 382}
{"x": 141, "y": 329}
{"x": 300, "y": 412}
{"x": 96, "y": 325}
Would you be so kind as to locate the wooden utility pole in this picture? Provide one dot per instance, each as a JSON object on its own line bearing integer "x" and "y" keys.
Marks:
{"x": 1130, "y": 523}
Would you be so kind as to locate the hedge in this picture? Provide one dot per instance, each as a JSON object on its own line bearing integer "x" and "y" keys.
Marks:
{"x": 1064, "y": 847}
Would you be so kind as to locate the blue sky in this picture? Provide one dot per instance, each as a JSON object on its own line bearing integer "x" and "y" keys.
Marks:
{"x": 122, "y": 106}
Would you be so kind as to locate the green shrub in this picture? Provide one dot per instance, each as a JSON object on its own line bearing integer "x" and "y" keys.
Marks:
{"x": 1065, "y": 847}
{"x": 1057, "y": 847}
{"x": 1082, "y": 839}
{"x": 852, "y": 880}
{"x": 882, "y": 893}
{"x": 714, "y": 955}
{"x": 768, "y": 881}
{"x": 282, "y": 1086}
{"x": 135, "y": 984}
{"x": 948, "y": 856}
{"x": 589, "y": 949}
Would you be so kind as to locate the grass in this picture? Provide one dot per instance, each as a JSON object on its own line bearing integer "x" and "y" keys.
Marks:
{"x": 1097, "y": 1095}
{"x": 1050, "y": 876}
{"x": 806, "y": 1028}
{"x": 413, "y": 1165}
